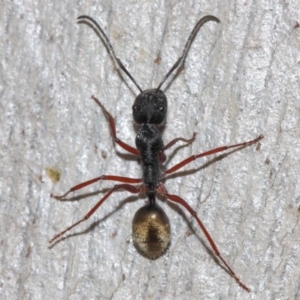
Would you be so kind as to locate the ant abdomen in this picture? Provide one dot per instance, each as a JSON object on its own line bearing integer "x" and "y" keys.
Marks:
{"x": 151, "y": 231}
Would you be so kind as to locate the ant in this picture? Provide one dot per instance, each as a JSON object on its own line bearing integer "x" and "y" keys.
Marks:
{"x": 150, "y": 225}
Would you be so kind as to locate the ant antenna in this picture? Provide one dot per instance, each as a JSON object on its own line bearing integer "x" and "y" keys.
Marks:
{"x": 101, "y": 33}
{"x": 187, "y": 46}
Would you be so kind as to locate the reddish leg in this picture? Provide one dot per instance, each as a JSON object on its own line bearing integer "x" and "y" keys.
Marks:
{"x": 130, "y": 188}
{"x": 213, "y": 151}
{"x": 161, "y": 154}
{"x": 179, "y": 200}
{"x": 174, "y": 141}
{"x": 103, "y": 177}
{"x": 113, "y": 130}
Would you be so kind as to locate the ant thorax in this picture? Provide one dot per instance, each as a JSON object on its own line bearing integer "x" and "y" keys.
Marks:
{"x": 149, "y": 143}
{"x": 149, "y": 110}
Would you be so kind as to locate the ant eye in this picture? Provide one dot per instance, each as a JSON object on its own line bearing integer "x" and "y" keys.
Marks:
{"x": 161, "y": 108}
{"x": 135, "y": 107}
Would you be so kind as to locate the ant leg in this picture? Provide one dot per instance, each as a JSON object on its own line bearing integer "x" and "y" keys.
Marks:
{"x": 91, "y": 181}
{"x": 213, "y": 151}
{"x": 130, "y": 188}
{"x": 112, "y": 126}
{"x": 161, "y": 154}
{"x": 174, "y": 141}
{"x": 179, "y": 200}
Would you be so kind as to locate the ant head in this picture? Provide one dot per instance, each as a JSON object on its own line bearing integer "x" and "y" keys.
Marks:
{"x": 150, "y": 106}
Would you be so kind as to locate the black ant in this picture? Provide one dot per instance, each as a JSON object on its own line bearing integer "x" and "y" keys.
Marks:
{"x": 150, "y": 225}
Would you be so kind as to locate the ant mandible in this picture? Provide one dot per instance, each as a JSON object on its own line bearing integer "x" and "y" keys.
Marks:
{"x": 150, "y": 225}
